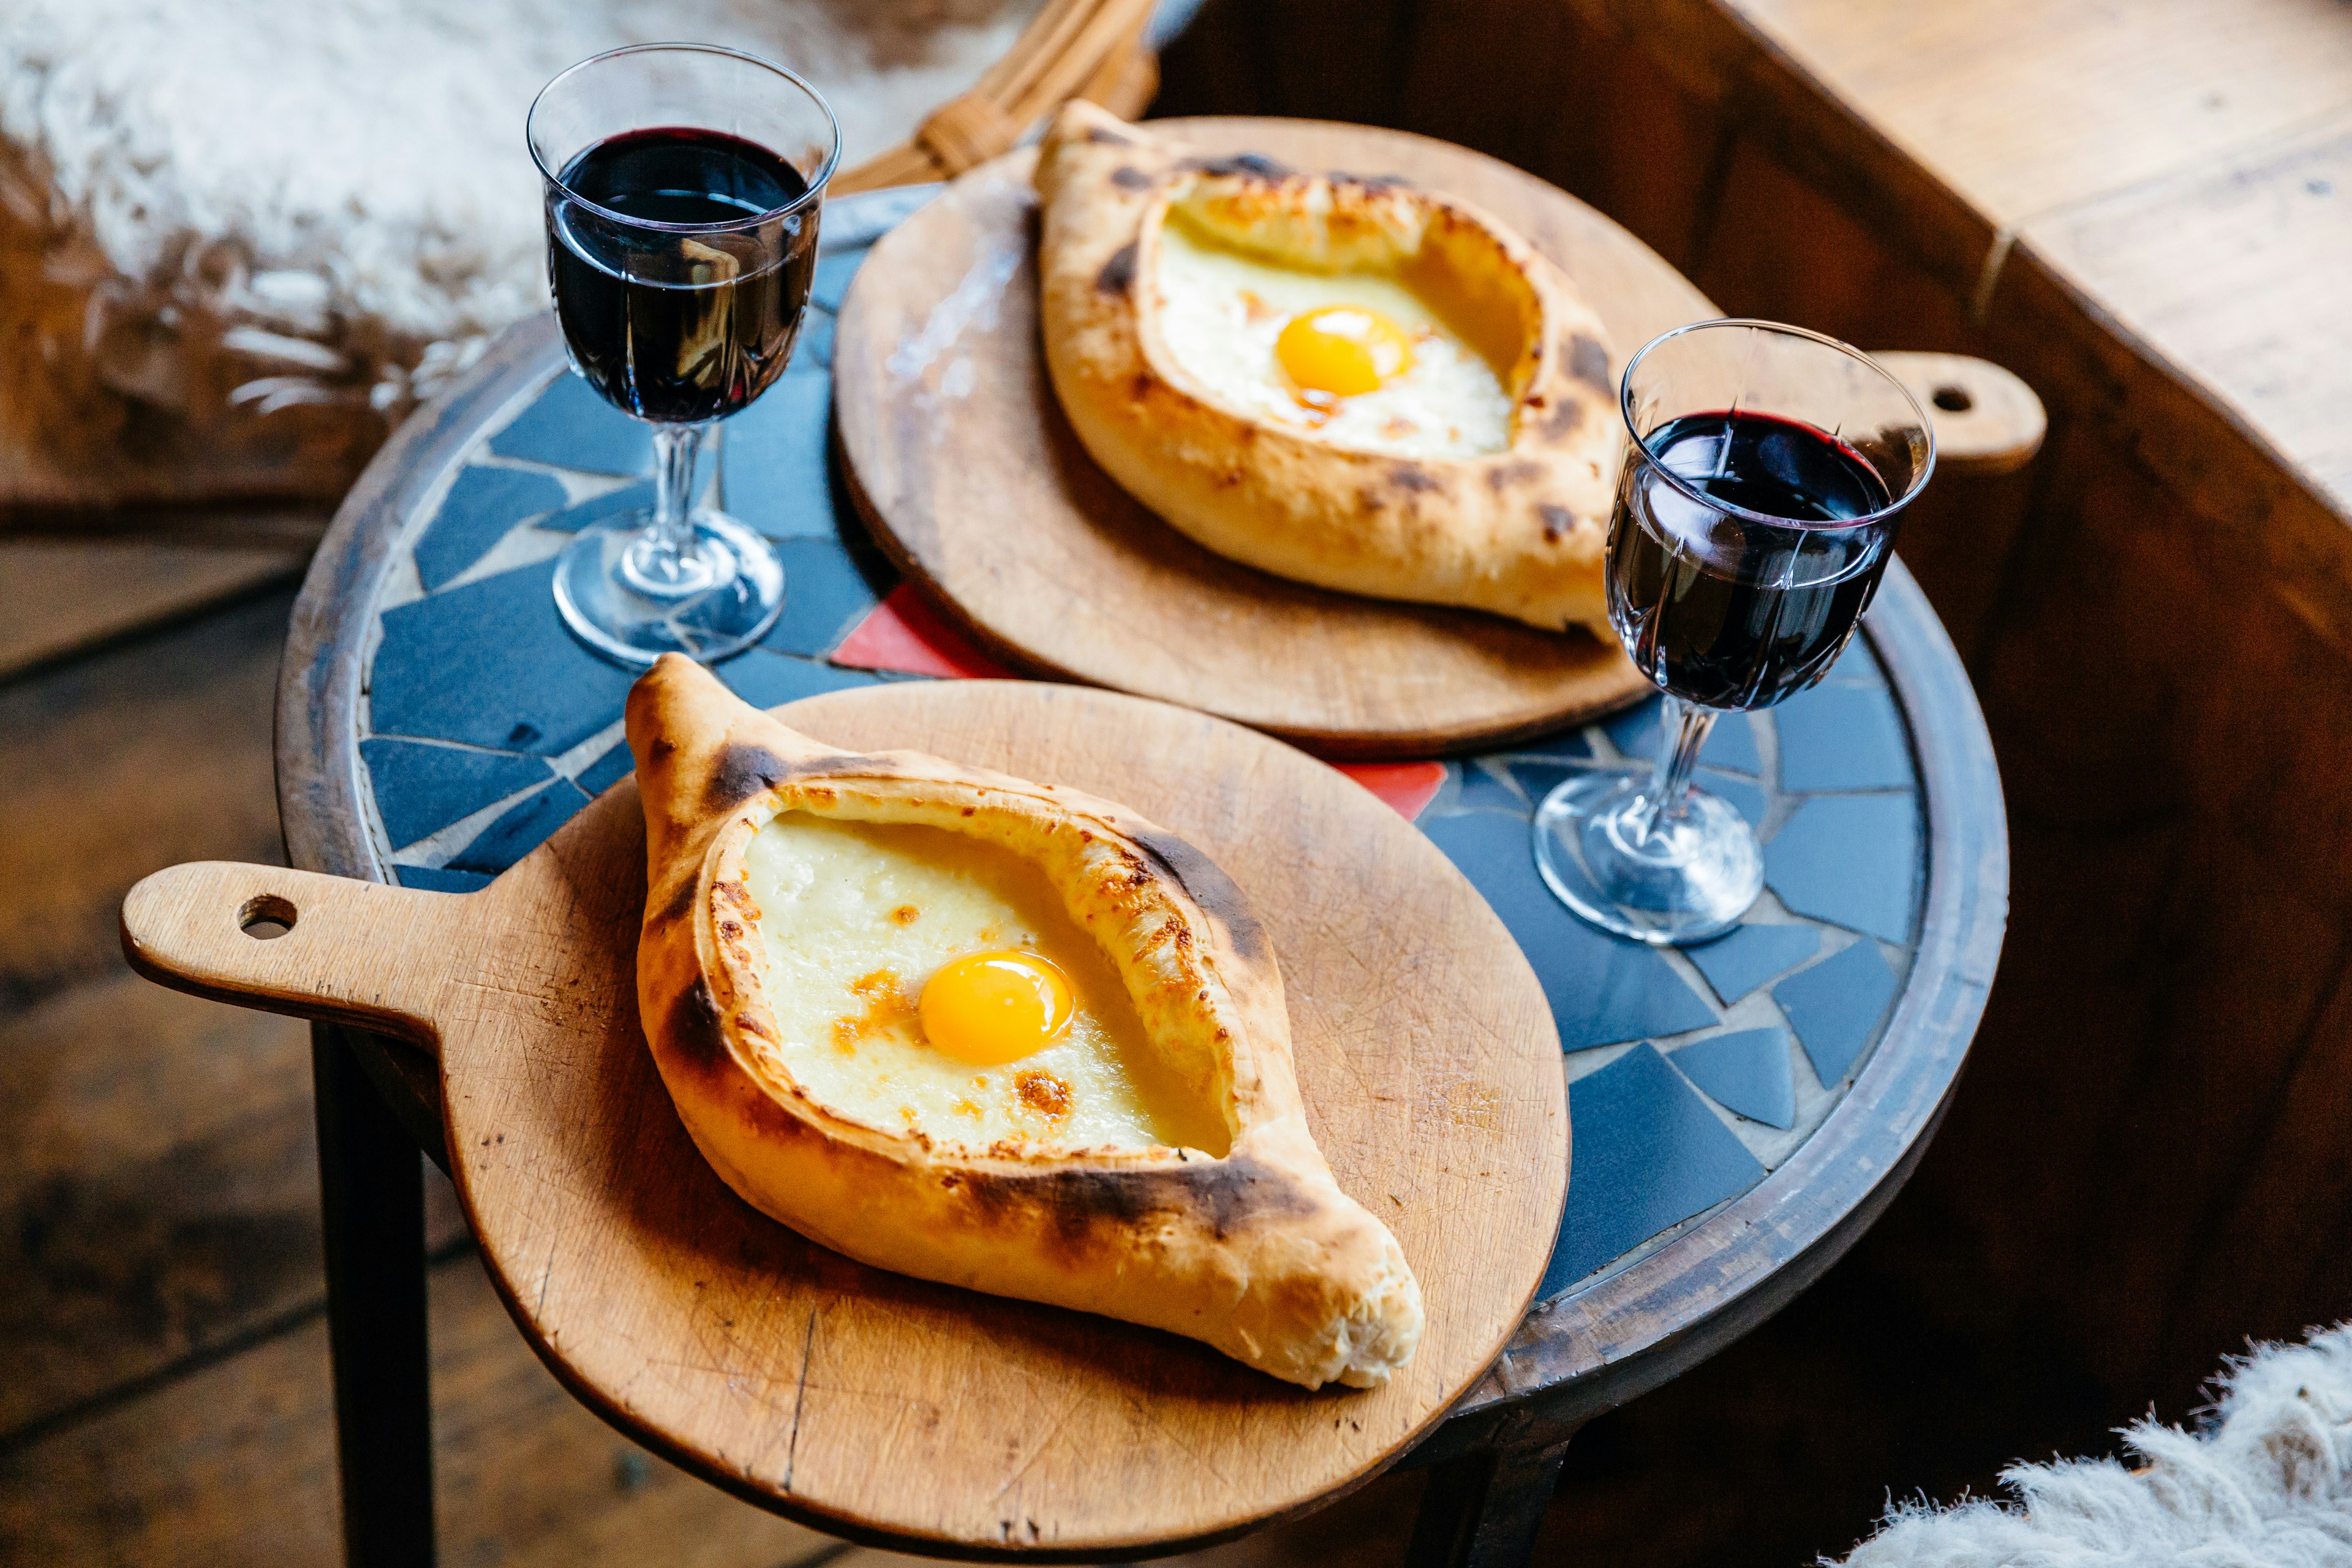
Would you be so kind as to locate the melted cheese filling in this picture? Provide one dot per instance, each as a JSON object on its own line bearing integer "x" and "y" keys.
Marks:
{"x": 1221, "y": 311}
{"x": 853, "y": 917}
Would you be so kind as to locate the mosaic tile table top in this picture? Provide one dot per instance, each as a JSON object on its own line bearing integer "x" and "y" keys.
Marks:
{"x": 481, "y": 725}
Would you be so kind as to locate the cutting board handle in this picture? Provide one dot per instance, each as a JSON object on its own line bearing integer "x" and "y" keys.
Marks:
{"x": 296, "y": 941}
{"x": 1988, "y": 421}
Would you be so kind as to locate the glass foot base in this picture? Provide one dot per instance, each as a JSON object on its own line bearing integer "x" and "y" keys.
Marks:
{"x": 1685, "y": 882}
{"x": 633, "y": 601}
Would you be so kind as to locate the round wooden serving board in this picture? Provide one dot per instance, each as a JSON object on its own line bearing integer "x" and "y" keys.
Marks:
{"x": 884, "y": 1407}
{"x": 961, "y": 460}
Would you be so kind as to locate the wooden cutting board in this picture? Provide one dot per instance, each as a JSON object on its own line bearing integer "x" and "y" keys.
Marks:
{"x": 888, "y": 1408}
{"x": 963, "y": 465}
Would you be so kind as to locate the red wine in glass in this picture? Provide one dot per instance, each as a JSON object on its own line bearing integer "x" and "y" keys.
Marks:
{"x": 1756, "y": 513}
{"x": 682, "y": 186}
{"x": 676, "y": 322}
{"x": 1740, "y": 584}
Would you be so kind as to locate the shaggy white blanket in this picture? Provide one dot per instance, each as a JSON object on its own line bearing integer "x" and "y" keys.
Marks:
{"x": 336, "y": 193}
{"x": 2267, "y": 1484}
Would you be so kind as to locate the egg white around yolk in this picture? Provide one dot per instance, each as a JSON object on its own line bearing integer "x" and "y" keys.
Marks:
{"x": 857, "y": 921}
{"x": 1223, "y": 316}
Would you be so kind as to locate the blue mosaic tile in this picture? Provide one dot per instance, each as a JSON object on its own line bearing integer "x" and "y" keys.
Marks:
{"x": 611, "y": 503}
{"x": 1746, "y": 796}
{"x": 1540, "y": 778}
{"x": 1842, "y": 737}
{"x": 422, "y": 788}
{"x": 812, "y": 350}
{"x": 769, "y": 680}
{"x": 1569, "y": 745}
{"x": 833, "y": 274}
{"x": 607, "y": 769}
{"x": 522, "y": 830}
{"x": 1731, "y": 743}
{"x": 571, "y": 427}
{"x": 491, "y": 664}
{"x": 440, "y": 878}
{"x": 1482, "y": 791}
{"x": 1836, "y": 1006}
{"x": 1601, "y": 989}
{"x": 1748, "y": 955}
{"x": 825, "y": 597}
{"x": 1857, "y": 665}
{"x": 1644, "y": 1153}
{"x": 1852, "y": 859}
{"x": 482, "y": 506}
{"x": 1747, "y": 1073}
{"x": 774, "y": 469}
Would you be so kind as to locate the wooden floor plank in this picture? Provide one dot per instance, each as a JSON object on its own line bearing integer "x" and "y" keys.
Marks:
{"x": 65, "y": 595}
{"x": 137, "y": 758}
{"x": 235, "y": 1465}
{"x": 158, "y": 1189}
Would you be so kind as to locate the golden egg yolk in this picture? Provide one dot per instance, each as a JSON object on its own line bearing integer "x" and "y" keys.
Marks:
{"x": 1343, "y": 351}
{"x": 989, "y": 1008}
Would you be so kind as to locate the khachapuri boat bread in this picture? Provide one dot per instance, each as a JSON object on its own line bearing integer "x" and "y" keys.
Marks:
{"x": 1347, "y": 381}
{"x": 992, "y": 1033}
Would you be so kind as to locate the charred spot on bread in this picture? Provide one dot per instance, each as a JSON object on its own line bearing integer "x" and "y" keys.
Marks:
{"x": 743, "y": 771}
{"x": 1117, "y": 274}
{"x": 1565, "y": 416}
{"x": 694, "y": 1030}
{"x": 1558, "y": 522}
{"x": 1205, "y": 882}
{"x": 1518, "y": 471}
{"x": 1237, "y": 165}
{"x": 1588, "y": 361}
{"x": 1086, "y": 1210}
{"x": 681, "y": 902}
{"x": 1413, "y": 478}
{"x": 1104, "y": 137}
{"x": 1128, "y": 177}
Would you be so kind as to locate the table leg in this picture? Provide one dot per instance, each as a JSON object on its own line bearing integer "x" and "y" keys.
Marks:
{"x": 372, "y": 1199}
{"x": 1483, "y": 1509}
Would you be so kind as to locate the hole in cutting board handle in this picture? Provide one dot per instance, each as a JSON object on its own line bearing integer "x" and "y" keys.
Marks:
{"x": 265, "y": 917}
{"x": 1953, "y": 399}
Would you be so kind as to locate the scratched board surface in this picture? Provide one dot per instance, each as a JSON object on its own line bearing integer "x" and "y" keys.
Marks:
{"x": 1692, "y": 1073}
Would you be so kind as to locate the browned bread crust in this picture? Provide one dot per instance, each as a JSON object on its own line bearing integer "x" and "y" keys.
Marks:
{"x": 1519, "y": 533}
{"x": 1257, "y": 1252}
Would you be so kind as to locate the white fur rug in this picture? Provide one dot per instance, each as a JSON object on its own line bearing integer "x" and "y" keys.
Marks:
{"x": 274, "y": 204}
{"x": 2267, "y": 1484}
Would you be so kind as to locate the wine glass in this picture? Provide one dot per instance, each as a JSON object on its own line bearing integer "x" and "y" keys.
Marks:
{"x": 682, "y": 185}
{"x": 1755, "y": 515}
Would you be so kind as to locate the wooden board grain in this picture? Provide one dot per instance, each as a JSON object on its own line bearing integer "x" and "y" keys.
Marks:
{"x": 886, "y": 1408}
{"x": 961, "y": 460}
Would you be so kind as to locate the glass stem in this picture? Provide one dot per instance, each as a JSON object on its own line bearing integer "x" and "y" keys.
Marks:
{"x": 1668, "y": 797}
{"x": 675, "y": 447}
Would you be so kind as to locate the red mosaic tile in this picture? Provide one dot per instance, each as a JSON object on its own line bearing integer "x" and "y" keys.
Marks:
{"x": 905, "y": 634}
{"x": 1407, "y": 786}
